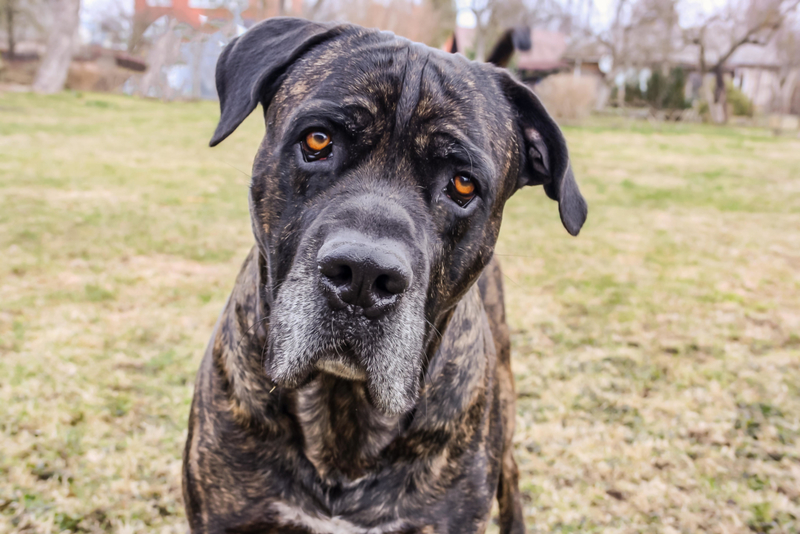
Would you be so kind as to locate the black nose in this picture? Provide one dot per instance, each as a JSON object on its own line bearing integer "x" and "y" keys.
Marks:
{"x": 369, "y": 274}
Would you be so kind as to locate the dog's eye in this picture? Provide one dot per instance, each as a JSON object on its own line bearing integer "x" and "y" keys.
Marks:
{"x": 317, "y": 145}
{"x": 461, "y": 190}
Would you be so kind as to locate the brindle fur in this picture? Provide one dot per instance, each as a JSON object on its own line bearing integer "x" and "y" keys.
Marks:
{"x": 273, "y": 448}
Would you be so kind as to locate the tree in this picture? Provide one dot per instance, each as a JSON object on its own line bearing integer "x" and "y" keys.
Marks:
{"x": 641, "y": 34}
{"x": 721, "y": 34}
{"x": 111, "y": 21}
{"x": 19, "y": 17}
{"x": 52, "y": 73}
{"x": 9, "y": 14}
{"x": 787, "y": 45}
{"x": 164, "y": 51}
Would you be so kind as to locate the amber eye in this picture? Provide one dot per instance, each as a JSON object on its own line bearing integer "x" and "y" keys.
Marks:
{"x": 317, "y": 145}
{"x": 461, "y": 190}
{"x": 316, "y": 141}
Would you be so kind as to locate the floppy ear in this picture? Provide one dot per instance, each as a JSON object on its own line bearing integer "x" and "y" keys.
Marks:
{"x": 252, "y": 67}
{"x": 545, "y": 155}
{"x": 513, "y": 39}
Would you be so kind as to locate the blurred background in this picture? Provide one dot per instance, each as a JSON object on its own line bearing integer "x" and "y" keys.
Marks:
{"x": 657, "y": 355}
{"x": 688, "y": 60}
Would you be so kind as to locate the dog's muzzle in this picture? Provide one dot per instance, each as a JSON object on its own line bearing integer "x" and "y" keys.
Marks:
{"x": 369, "y": 275}
{"x": 353, "y": 308}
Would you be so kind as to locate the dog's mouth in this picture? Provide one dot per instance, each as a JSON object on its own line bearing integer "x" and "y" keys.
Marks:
{"x": 309, "y": 336}
{"x": 388, "y": 367}
{"x": 343, "y": 365}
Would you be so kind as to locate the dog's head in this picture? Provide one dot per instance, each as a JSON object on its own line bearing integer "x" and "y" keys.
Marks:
{"x": 378, "y": 191}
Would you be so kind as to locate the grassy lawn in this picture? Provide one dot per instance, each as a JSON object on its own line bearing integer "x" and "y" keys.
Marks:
{"x": 657, "y": 355}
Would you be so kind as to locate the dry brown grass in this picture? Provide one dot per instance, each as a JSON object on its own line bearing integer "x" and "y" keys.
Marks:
{"x": 568, "y": 97}
{"x": 657, "y": 356}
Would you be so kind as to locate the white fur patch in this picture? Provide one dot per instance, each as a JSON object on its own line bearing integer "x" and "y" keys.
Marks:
{"x": 342, "y": 370}
{"x": 298, "y": 517}
{"x": 301, "y": 334}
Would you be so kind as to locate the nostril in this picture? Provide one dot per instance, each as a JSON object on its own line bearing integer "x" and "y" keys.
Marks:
{"x": 388, "y": 285}
{"x": 369, "y": 276}
{"x": 382, "y": 290}
{"x": 340, "y": 275}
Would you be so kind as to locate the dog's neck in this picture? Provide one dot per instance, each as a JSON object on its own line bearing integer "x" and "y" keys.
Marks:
{"x": 343, "y": 433}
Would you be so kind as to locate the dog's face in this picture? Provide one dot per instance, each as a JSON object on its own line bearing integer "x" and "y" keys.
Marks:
{"x": 378, "y": 191}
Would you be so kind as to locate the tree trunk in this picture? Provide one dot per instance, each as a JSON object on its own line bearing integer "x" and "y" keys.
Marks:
{"x": 787, "y": 88}
{"x": 197, "y": 61}
{"x": 720, "y": 102}
{"x": 479, "y": 43}
{"x": 163, "y": 53}
{"x": 139, "y": 26}
{"x": 52, "y": 73}
{"x": 714, "y": 109}
{"x": 12, "y": 45}
{"x": 603, "y": 95}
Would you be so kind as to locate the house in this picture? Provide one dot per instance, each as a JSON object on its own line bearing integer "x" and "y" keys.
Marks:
{"x": 544, "y": 56}
{"x": 754, "y": 69}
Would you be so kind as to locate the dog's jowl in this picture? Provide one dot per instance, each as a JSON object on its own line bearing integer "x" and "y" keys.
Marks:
{"x": 358, "y": 379}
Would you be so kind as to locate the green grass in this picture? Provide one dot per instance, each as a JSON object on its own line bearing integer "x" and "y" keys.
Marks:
{"x": 657, "y": 356}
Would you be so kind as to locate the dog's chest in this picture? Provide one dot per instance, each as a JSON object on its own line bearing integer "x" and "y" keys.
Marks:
{"x": 343, "y": 434}
{"x": 339, "y": 465}
{"x": 294, "y": 517}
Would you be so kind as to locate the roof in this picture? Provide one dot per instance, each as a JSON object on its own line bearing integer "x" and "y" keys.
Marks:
{"x": 747, "y": 55}
{"x": 546, "y": 52}
{"x": 750, "y": 55}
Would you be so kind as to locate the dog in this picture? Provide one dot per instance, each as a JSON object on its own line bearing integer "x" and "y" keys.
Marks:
{"x": 358, "y": 379}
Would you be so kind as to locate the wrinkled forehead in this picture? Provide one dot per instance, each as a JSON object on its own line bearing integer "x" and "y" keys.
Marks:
{"x": 407, "y": 86}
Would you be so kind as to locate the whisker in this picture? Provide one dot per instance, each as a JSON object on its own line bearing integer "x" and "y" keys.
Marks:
{"x": 512, "y": 280}
{"x": 434, "y": 329}
{"x": 469, "y": 155}
{"x": 426, "y": 375}
{"x": 263, "y": 352}
{"x": 260, "y": 321}
{"x": 335, "y": 343}
{"x": 249, "y": 176}
{"x": 516, "y": 255}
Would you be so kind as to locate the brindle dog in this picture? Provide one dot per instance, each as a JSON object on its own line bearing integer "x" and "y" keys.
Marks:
{"x": 358, "y": 379}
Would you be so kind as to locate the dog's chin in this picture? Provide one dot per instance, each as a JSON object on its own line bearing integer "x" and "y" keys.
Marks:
{"x": 342, "y": 369}
{"x": 384, "y": 391}
{"x": 306, "y": 338}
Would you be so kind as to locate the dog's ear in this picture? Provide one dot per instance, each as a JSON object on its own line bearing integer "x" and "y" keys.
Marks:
{"x": 545, "y": 157}
{"x": 252, "y": 67}
{"x": 513, "y": 39}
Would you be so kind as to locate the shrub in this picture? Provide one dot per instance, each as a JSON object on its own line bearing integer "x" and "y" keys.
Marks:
{"x": 667, "y": 92}
{"x": 633, "y": 94}
{"x": 663, "y": 92}
{"x": 739, "y": 103}
{"x": 566, "y": 96}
